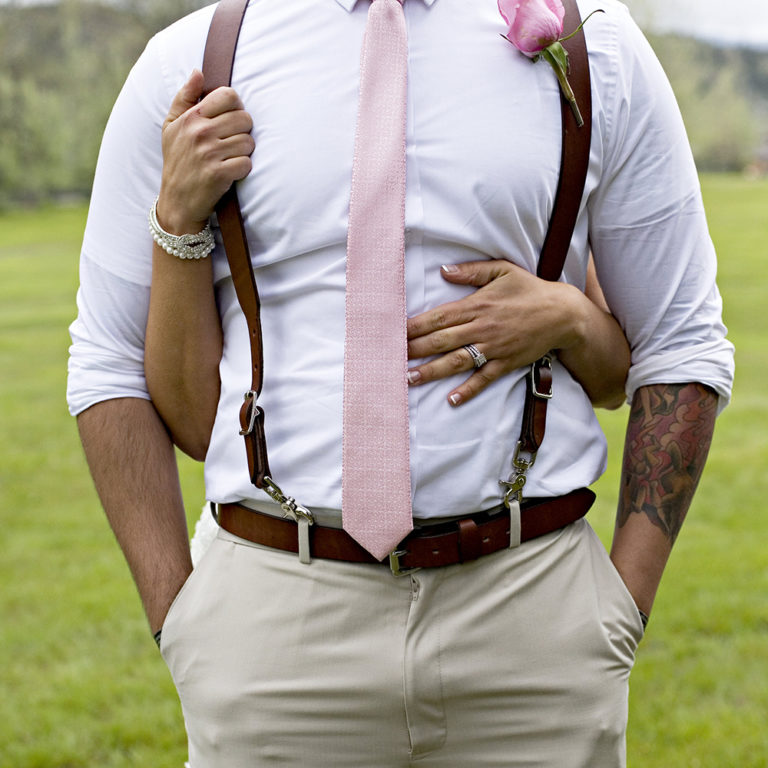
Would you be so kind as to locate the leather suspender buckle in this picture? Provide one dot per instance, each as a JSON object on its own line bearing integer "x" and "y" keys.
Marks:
{"x": 541, "y": 378}
{"x": 254, "y": 412}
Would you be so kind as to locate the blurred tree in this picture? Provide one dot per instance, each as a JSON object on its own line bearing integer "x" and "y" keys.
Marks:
{"x": 721, "y": 110}
{"x": 61, "y": 67}
{"x": 63, "y": 63}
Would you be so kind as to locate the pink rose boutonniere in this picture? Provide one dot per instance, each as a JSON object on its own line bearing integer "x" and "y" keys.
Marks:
{"x": 536, "y": 30}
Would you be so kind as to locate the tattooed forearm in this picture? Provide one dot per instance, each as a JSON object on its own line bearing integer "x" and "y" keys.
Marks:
{"x": 668, "y": 438}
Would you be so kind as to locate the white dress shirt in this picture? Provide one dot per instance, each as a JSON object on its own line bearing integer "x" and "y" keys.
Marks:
{"x": 483, "y": 155}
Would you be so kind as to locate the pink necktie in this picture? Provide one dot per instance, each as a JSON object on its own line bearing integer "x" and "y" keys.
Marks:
{"x": 376, "y": 484}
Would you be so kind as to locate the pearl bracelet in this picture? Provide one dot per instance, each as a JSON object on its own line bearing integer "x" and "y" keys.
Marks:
{"x": 183, "y": 246}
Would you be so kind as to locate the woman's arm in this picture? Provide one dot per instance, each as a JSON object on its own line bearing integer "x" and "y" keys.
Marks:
{"x": 206, "y": 147}
{"x": 599, "y": 359}
{"x": 514, "y": 318}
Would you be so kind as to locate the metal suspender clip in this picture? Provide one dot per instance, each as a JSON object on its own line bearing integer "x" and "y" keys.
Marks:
{"x": 291, "y": 508}
{"x": 517, "y": 479}
{"x": 294, "y": 511}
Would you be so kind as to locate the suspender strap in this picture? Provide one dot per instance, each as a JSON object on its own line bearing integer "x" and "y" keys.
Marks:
{"x": 217, "y": 67}
{"x": 574, "y": 164}
{"x": 575, "y": 152}
{"x": 219, "y": 56}
{"x": 218, "y": 63}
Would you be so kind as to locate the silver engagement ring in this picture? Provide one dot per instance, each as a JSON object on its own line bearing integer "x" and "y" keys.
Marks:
{"x": 478, "y": 358}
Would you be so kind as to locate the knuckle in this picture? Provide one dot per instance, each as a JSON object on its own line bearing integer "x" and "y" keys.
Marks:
{"x": 436, "y": 343}
{"x": 242, "y": 168}
{"x": 228, "y": 96}
{"x": 457, "y": 360}
{"x": 437, "y": 319}
{"x": 245, "y": 144}
{"x": 481, "y": 302}
{"x": 199, "y": 131}
{"x": 469, "y": 389}
{"x": 475, "y": 275}
{"x": 495, "y": 327}
{"x": 483, "y": 378}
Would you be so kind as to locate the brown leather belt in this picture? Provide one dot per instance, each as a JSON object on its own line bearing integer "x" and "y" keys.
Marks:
{"x": 428, "y": 546}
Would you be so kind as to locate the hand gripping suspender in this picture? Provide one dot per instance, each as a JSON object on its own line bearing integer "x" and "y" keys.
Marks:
{"x": 218, "y": 62}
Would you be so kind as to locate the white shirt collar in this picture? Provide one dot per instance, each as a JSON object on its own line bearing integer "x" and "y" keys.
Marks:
{"x": 350, "y": 4}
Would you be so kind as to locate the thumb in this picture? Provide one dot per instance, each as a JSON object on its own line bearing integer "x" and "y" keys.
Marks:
{"x": 477, "y": 273}
{"x": 188, "y": 95}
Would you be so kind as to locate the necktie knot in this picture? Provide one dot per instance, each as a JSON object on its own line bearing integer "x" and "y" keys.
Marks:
{"x": 393, "y": 6}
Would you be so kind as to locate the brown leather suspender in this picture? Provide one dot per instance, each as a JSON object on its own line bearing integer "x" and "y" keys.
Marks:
{"x": 217, "y": 68}
{"x": 218, "y": 62}
{"x": 574, "y": 164}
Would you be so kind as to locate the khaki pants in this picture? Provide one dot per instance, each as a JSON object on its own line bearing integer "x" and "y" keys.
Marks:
{"x": 521, "y": 658}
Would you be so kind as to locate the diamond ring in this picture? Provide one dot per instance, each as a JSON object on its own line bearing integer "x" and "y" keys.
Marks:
{"x": 478, "y": 358}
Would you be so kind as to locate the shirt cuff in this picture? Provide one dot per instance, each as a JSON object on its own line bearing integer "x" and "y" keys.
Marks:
{"x": 710, "y": 364}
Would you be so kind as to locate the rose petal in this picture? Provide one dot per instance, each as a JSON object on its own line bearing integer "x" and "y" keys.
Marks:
{"x": 536, "y": 24}
{"x": 557, "y": 7}
{"x": 508, "y": 10}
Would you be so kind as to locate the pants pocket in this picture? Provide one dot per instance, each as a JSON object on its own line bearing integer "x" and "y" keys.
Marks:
{"x": 173, "y": 623}
{"x": 619, "y": 613}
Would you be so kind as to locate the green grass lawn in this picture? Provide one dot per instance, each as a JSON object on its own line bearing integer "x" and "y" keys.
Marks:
{"x": 699, "y": 691}
{"x": 82, "y": 684}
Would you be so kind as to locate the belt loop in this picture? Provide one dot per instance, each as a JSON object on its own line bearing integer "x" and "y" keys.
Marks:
{"x": 470, "y": 543}
{"x": 515, "y": 526}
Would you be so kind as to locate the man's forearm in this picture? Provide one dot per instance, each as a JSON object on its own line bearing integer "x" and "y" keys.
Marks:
{"x": 133, "y": 465}
{"x": 668, "y": 437}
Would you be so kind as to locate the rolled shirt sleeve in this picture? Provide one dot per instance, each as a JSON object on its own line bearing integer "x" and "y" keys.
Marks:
{"x": 107, "y": 352}
{"x": 648, "y": 231}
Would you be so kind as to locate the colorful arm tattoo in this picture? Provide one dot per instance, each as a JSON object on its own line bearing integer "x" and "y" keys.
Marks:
{"x": 668, "y": 438}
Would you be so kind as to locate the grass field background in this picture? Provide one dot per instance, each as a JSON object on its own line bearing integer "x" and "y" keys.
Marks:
{"x": 81, "y": 682}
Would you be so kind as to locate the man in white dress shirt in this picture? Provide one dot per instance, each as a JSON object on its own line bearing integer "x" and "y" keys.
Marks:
{"x": 518, "y": 658}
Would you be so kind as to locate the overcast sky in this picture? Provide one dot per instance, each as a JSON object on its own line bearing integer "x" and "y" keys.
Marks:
{"x": 731, "y": 21}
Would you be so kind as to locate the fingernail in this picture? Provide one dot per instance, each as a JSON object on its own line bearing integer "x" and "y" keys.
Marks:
{"x": 449, "y": 268}
{"x": 414, "y": 377}
{"x": 455, "y": 398}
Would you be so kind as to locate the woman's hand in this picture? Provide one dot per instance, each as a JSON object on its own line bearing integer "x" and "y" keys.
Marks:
{"x": 514, "y": 318}
{"x": 207, "y": 146}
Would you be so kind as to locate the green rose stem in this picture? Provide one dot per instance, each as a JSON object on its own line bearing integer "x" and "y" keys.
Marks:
{"x": 557, "y": 56}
